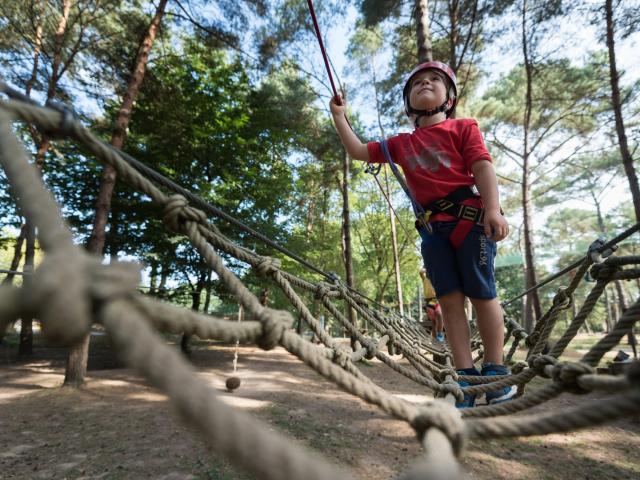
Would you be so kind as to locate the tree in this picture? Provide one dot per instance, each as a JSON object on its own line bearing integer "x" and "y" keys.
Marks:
{"x": 555, "y": 120}
{"x": 632, "y": 17}
{"x": 77, "y": 360}
{"x": 57, "y": 34}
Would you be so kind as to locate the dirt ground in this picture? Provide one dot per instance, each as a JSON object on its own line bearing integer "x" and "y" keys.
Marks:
{"x": 118, "y": 427}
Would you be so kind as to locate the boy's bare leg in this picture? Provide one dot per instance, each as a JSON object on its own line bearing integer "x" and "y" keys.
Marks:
{"x": 458, "y": 335}
{"x": 439, "y": 322}
{"x": 491, "y": 328}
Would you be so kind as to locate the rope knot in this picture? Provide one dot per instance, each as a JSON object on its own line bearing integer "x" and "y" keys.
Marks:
{"x": 532, "y": 339}
{"x": 519, "y": 367}
{"x": 539, "y": 362}
{"x": 446, "y": 418}
{"x": 372, "y": 348}
{"x": 67, "y": 286}
{"x": 60, "y": 294}
{"x": 442, "y": 374}
{"x": 177, "y": 213}
{"x": 452, "y": 387}
{"x": 67, "y": 126}
{"x": 322, "y": 290}
{"x": 568, "y": 373}
{"x": 603, "y": 271}
{"x": 341, "y": 357}
{"x": 268, "y": 265}
{"x": 391, "y": 334}
{"x": 562, "y": 300}
{"x": 274, "y": 324}
{"x": 519, "y": 334}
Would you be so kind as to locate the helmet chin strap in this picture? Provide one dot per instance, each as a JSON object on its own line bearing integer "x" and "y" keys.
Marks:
{"x": 427, "y": 113}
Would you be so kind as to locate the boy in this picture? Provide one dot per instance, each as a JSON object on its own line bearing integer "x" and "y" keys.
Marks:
{"x": 442, "y": 159}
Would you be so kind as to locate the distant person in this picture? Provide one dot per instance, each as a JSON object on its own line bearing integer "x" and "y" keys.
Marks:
{"x": 443, "y": 159}
{"x": 432, "y": 308}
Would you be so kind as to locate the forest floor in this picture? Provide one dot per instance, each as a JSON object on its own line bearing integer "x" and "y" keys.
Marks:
{"x": 118, "y": 427}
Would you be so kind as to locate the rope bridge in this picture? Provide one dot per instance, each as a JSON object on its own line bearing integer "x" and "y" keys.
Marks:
{"x": 106, "y": 294}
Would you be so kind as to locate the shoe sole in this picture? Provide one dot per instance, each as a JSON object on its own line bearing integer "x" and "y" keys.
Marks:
{"x": 504, "y": 398}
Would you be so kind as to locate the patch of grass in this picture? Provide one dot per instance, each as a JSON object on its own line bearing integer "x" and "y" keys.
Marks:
{"x": 321, "y": 437}
{"x": 217, "y": 469}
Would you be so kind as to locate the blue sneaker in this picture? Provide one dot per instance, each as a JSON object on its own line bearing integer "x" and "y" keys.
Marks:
{"x": 469, "y": 400}
{"x": 440, "y": 337}
{"x": 504, "y": 394}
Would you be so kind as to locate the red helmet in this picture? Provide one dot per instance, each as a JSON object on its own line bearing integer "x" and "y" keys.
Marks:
{"x": 452, "y": 94}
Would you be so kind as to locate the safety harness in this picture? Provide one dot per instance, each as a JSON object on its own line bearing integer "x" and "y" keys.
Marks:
{"x": 467, "y": 215}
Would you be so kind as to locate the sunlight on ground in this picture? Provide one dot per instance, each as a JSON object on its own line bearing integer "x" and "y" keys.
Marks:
{"x": 148, "y": 397}
{"x": 414, "y": 398}
{"x": 241, "y": 402}
{"x": 112, "y": 383}
{"x": 503, "y": 468}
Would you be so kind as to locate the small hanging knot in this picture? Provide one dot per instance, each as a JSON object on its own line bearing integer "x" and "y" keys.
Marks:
{"x": 568, "y": 374}
{"x": 177, "y": 213}
{"x": 446, "y": 418}
{"x": 267, "y": 266}
{"x": 274, "y": 324}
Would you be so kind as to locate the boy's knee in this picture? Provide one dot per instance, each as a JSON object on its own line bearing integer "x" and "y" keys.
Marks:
{"x": 451, "y": 298}
{"x": 483, "y": 302}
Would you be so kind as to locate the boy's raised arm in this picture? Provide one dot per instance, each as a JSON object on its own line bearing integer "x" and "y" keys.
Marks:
{"x": 355, "y": 148}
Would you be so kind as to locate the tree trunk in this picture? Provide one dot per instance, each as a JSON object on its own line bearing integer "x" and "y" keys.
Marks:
{"x": 394, "y": 246}
{"x": 622, "y": 306}
{"x": 532, "y": 301}
{"x": 153, "y": 278}
{"x": 162, "y": 286}
{"x": 423, "y": 32}
{"x": 454, "y": 11}
{"x": 25, "y": 347}
{"x": 26, "y": 329}
{"x": 207, "y": 296}
{"x": 347, "y": 256}
{"x": 17, "y": 255}
{"x": 74, "y": 374}
{"x": 195, "y": 306}
{"x": 608, "y": 319}
{"x": 264, "y": 297}
{"x": 627, "y": 160}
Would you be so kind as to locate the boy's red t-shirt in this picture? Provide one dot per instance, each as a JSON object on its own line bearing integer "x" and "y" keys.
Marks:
{"x": 436, "y": 160}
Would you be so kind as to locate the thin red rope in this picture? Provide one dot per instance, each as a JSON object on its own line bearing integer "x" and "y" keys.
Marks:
{"x": 322, "y": 49}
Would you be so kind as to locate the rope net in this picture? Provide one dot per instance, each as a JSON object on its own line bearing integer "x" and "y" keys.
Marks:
{"x": 106, "y": 294}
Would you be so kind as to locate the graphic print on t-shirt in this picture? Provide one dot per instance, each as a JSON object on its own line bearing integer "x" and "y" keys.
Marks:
{"x": 429, "y": 159}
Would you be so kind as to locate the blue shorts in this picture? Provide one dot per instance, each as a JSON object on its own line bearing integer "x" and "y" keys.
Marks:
{"x": 468, "y": 269}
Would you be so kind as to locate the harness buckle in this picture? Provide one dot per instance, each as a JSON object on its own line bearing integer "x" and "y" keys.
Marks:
{"x": 423, "y": 221}
{"x": 467, "y": 212}
{"x": 444, "y": 204}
